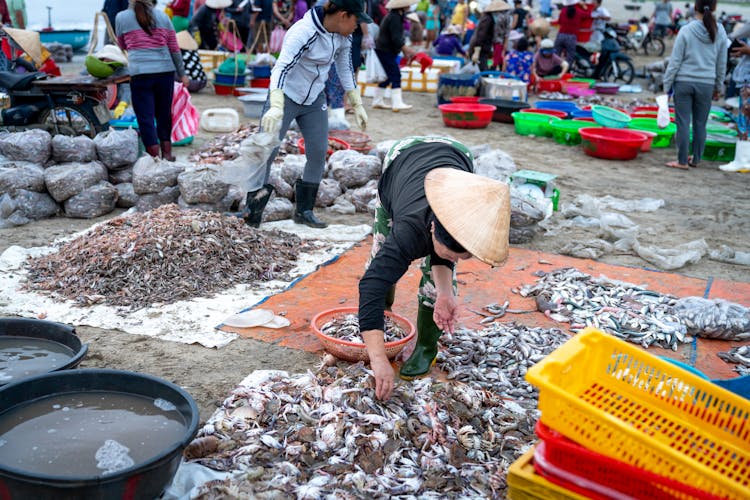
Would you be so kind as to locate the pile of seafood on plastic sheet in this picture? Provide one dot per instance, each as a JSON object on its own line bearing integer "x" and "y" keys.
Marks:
{"x": 496, "y": 358}
{"x": 227, "y": 146}
{"x": 627, "y": 311}
{"x": 324, "y": 435}
{"x": 162, "y": 256}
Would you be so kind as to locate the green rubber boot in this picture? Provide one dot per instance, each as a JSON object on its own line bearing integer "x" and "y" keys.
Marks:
{"x": 423, "y": 358}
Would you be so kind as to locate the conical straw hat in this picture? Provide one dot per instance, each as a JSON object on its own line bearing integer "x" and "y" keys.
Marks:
{"x": 497, "y": 6}
{"x": 186, "y": 41}
{"x": 29, "y": 41}
{"x": 399, "y": 4}
{"x": 475, "y": 210}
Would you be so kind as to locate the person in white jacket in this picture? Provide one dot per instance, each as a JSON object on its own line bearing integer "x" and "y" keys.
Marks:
{"x": 315, "y": 42}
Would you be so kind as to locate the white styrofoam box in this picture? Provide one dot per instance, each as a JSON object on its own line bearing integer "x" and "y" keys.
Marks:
{"x": 503, "y": 88}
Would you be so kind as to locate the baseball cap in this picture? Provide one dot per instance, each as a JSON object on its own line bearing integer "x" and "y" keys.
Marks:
{"x": 547, "y": 44}
{"x": 356, "y": 7}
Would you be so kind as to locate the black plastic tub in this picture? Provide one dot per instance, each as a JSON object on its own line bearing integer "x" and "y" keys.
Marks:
{"x": 504, "y": 108}
{"x": 146, "y": 480}
{"x": 47, "y": 330}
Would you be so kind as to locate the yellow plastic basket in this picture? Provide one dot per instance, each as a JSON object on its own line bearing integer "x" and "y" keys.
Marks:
{"x": 620, "y": 401}
{"x": 525, "y": 484}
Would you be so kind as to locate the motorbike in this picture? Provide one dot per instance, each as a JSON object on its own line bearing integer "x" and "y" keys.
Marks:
{"x": 63, "y": 105}
{"x": 637, "y": 35}
{"x": 609, "y": 65}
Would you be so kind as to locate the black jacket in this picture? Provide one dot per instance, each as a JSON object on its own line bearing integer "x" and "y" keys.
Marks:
{"x": 391, "y": 35}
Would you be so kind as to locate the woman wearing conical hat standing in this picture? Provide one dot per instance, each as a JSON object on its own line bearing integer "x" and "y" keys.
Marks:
{"x": 483, "y": 41}
{"x": 391, "y": 41}
{"x": 431, "y": 207}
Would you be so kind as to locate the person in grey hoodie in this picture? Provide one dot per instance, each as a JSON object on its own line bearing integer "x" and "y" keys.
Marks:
{"x": 695, "y": 75}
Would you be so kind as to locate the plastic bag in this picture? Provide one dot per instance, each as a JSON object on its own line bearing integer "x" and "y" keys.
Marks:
{"x": 153, "y": 176}
{"x": 150, "y": 201}
{"x": 94, "y": 201}
{"x": 185, "y": 118}
{"x": 278, "y": 209}
{"x": 361, "y": 197}
{"x": 68, "y": 179}
{"x": 662, "y": 115}
{"x": 202, "y": 184}
{"x": 328, "y": 191}
{"x": 714, "y": 318}
{"x": 126, "y": 196}
{"x": 352, "y": 168}
{"x": 31, "y": 145}
{"x": 117, "y": 148}
{"x": 469, "y": 68}
{"x": 249, "y": 170}
{"x": 277, "y": 39}
{"x": 374, "y": 72}
{"x": 67, "y": 149}
{"x": 21, "y": 175}
{"x": 672, "y": 258}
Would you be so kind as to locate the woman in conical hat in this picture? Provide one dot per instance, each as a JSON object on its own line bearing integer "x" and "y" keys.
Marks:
{"x": 431, "y": 207}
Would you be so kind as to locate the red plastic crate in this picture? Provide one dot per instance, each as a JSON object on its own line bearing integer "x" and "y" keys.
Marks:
{"x": 570, "y": 465}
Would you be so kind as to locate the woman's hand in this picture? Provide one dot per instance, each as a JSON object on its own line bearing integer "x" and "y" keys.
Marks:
{"x": 381, "y": 367}
{"x": 185, "y": 80}
{"x": 742, "y": 50}
{"x": 446, "y": 312}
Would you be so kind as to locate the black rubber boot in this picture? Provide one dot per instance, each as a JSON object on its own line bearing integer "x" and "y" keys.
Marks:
{"x": 153, "y": 150}
{"x": 166, "y": 151}
{"x": 304, "y": 199}
{"x": 255, "y": 203}
{"x": 423, "y": 358}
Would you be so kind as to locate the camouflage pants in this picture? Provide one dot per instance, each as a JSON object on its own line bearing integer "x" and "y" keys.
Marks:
{"x": 383, "y": 222}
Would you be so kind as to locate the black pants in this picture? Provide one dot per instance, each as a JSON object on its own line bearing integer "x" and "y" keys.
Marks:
{"x": 152, "y": 98}
{"x": 392, "y": 71}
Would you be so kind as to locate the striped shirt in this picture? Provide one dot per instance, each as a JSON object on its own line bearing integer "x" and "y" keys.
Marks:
{"x": 308, "y": 52}
{"x": 148, "y": 54}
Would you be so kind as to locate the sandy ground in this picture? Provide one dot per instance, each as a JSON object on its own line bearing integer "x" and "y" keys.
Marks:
{"x": 700, "y": 203}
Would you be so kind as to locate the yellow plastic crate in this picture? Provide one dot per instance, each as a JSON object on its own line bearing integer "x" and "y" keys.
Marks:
{"x": 525, "y": 484}
{"x": 212, "y": 59}
{"x": 616, "y": 399}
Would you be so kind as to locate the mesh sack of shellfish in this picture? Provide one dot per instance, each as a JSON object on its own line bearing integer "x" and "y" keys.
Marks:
{"x": 714, "y": 318}
{"x": 325, "y": 436}
{"x": 629, "y": 312}
{"x": 496, "y": 358}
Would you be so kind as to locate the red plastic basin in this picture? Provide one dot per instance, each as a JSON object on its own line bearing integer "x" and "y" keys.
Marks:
{"x": 652, "y": 109}
{"x": 550, "y": 112}
{"x": 646, "y": 147}
{"x": 554, "y": 85}
{"x": 612, "y": 143}
{"x": 465, "y": 99}
{"x": 329, "y": 152}
{"x": 463, "y": 115}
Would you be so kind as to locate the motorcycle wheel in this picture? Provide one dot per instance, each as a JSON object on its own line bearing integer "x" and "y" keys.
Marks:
{"x": 621, "y": 70}
{"x": 654, "y": 46}
{"x": 69, "y": 120}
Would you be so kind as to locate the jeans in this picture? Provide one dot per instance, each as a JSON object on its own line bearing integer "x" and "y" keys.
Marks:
{"x": 692, "y": 103}
{"x": 152, "y": 98}
{"x": 392, "y": 71}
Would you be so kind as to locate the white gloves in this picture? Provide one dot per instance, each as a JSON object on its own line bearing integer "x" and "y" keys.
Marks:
{"x": 475, "y": 55}
{"x": 359, "y": 111}
{"x": 271, "y": 121}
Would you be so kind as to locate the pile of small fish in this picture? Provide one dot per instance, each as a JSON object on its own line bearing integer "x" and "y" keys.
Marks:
{"x": 626, "y": 311}
{"x": 497, "y": 357}
{"x": 739, "y": 355}
{"x": 324, "y": 435}
{"x": 227, "y": 146}
{"x": 162, "y": 256}
{"x": 346, "y": 327}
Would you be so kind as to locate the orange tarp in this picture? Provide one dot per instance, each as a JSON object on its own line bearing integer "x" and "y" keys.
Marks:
{"x": 335, "y": 285}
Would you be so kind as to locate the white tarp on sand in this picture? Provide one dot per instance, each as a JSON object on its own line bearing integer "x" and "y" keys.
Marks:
{"x": 192, "y": 321}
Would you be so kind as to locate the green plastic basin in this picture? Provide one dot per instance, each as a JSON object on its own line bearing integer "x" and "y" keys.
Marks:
{"x": 663, "y": 135}
{"x": 566, "y": 131}
{"x": 533, "y": 124}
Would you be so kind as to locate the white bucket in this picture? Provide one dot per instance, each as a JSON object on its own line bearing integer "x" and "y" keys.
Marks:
{"x": 220, "y": 120}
